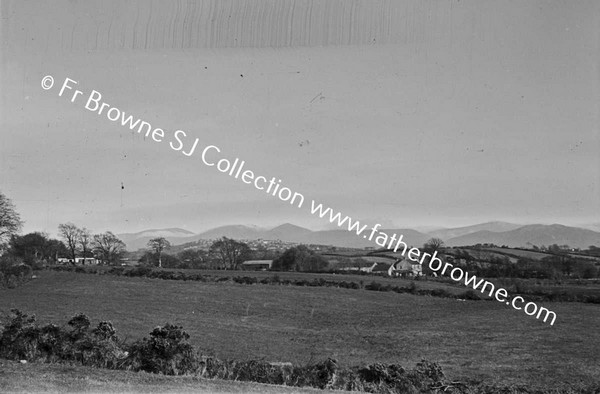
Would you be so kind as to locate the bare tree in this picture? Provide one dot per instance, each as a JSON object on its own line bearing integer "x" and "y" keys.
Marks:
{"x": 108, "y": 247}
{"x": 433, "y": 245}
{"x": 10, "y": 221}
{"x": 230, "y": 252}
{"x": 70, "y": 234}
{"x": 158, "y": 245}
{"x": 84, "y": 237}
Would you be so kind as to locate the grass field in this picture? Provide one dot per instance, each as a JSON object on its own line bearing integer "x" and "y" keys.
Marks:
{"x": 485, "y": 340}
{"x": 426, "y": 284}
{"x": 33, "y": 377}
{"x": 530, "y": 254}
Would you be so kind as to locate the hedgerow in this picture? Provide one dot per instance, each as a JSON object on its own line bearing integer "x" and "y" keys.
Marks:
{"x": 468, "y": 294}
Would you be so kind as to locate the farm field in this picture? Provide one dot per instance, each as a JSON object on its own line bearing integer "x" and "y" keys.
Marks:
{"x": 530, "y": 254}
{"x": 579, "y": 287}
{"x": 34, "y": 377}
{"x": 483, "y": 340}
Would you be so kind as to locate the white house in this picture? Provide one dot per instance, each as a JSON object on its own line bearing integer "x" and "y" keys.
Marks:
{"x": 405, "y": 267}
{"x": 257, "y": 265}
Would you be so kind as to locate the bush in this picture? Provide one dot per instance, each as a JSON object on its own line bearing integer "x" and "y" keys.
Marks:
{"x": 23, "y": 339}
{"x": 139, "y": 271}
{"x": 470, "y": 295}
{"x": 166, "y": 351}
{"x": 246, "y": 280}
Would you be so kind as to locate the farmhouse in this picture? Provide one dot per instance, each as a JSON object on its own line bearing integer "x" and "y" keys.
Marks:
{"x": 86, "y": 260}
{"x": 380, "y": 268}
{"x": 406, "y": 268}
{"x": 257, "y": 265}
{"x": 78, "y": 260}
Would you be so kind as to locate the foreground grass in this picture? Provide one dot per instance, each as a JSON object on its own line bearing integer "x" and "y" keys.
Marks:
{"x": 54, "y": 378}
{"x": 483, "y": 340}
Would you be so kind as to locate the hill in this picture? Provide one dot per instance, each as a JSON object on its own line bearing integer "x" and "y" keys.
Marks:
{"x": 499, "y": 233}
{"x": 232, "y": 231}
{"x": 494, "y": 227}
{"x": 535, "y": 234}
{"x": 135, "y": 241}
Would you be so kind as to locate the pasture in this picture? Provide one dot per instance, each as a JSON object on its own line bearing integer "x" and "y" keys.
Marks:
{"x": 53, "y": 378}
{"x": 482, "y": 340}
{"x": 530, "y": 254}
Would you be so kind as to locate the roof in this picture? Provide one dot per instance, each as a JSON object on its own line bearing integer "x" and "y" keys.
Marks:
{"x": 256, "y": 262}
{"x": 406, "y": 262}
{"x": 381, "y": 267}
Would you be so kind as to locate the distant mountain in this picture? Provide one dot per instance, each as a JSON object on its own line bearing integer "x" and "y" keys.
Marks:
{"x": 499, "y": 233}
{"x": 232, "y": 231}
{"x": 286, "y": 232}
{"x": 591, "y": 226}
{"x": 135, "y": 241}
{"x": 345, "y": 238}
{"x": 534, "y": 234}
{"x": 494, "y": 227}
{"x": 428, "y": 229}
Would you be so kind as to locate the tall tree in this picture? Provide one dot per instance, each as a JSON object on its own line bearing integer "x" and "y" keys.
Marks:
{"x": 108, "y": 247}
{"x": 433, "y": 245}
{"x": 84, "y": 238}
{"x": 299, "y": 258}
{"x": 158, "y": 245}
{"x": 229, "y": 252}
{"x": 193, "y": 258}
{"x": 10, "y": 221}
{"x": 30, "y": 247}
{"x": 70, "y": 235}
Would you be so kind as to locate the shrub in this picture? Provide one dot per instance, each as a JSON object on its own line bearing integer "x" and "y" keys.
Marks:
{"x": 376, "y": 286}
{"x": 139, "y": 271}
{"x": 166, "y": 351}
{"x": 440, "y": 293}
{"x": 247, "y": 280}
{"x": 22, "y": 339}
{"x": 470, "y": 295}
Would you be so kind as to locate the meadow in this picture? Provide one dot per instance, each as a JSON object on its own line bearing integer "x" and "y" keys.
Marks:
{"x": 55, "y": 378}
{"x": 469, "y": 339}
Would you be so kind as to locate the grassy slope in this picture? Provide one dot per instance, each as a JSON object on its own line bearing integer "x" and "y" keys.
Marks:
{"x": 299, "y": 324}
{"x": 33, "y": 377}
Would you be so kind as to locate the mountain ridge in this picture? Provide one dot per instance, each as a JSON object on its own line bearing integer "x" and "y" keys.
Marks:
{"x": 496, "y": 232}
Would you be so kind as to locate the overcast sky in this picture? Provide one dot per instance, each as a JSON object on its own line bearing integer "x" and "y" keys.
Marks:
{"x": 408, "y": 113}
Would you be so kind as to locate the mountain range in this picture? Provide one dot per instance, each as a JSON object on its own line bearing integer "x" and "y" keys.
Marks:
{"x": 499, "y": 233}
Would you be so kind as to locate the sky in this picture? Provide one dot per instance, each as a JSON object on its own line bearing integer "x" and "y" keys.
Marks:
{"x": 403, "y": 113}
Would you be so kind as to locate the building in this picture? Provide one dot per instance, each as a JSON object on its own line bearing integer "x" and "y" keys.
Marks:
{"x": 78, "y": 261}
{"x": 406, "y": 268}
{"x": 86, "y": 261}
{"x": 257, "y": 265}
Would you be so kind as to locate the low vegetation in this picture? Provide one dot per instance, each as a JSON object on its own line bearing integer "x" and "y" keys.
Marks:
{"x": 533, "y": 293}
{"x": 302, "y": 325}
{"x": 167, "y": 351}
{"x": 147, "y": 272}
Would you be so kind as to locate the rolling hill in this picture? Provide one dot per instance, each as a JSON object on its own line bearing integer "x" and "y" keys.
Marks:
{"x": 494, "y": 227}
{"x": 499, "y": 233}
{"x": 135, "y": 241}
{"x": 534, "y": 234}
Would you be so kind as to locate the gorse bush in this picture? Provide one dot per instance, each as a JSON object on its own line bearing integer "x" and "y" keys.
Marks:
{"x": 166, "y": 351}
{"x": 23, "y": 339}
